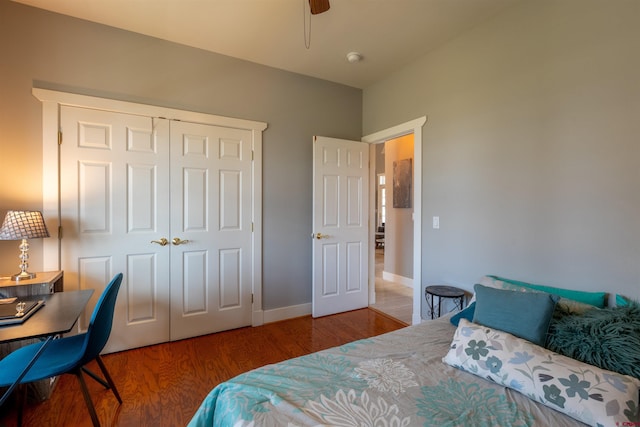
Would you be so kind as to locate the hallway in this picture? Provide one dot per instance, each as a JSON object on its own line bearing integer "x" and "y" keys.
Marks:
{"x": 392, "y": 299}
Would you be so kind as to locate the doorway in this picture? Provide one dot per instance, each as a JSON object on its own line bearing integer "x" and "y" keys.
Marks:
{"x": 411, "y": 127}
{"x": 393, "y": 243}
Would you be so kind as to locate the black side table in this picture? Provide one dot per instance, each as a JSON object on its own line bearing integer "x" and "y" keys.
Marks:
{"x": 441, "y": 291}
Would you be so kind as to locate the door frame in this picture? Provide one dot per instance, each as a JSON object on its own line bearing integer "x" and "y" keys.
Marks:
{"x": 51, "y": 102}
{"x": 415, "y": 127}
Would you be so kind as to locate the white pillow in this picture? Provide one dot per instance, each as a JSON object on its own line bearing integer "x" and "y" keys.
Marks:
{"x": 582, "y": 391}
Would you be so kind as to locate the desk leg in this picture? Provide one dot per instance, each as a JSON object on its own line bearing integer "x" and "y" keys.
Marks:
{"x": 33, "y": 360}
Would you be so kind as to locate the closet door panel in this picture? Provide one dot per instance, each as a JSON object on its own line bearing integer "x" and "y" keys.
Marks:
{"x": 230, "y": 278}
{"x": 141, "y": 194}
{"x": 194, "y": 275}
{"x": 213, "y": 169}
{"x": 114, "y": 198}
{"x": 141, "y": 306}
{"x": 94, "y": 197}
{"x": 195, "y": 195}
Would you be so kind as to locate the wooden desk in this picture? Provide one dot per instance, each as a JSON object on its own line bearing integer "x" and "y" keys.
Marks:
{"x": 46, "y": 282}
{"x": 58, "y": 316}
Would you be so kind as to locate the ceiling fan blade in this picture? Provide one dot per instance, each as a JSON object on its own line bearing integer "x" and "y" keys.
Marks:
{"x": 318, "y": 6}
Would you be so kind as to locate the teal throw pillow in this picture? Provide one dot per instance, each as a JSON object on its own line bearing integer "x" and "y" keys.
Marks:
{"x": 467, "y": 313}
{"x": 597, "y": 299}
{"x": 622, "y": 301}
{"x": 608, "y": 338}
{"x": 524, "y": 314}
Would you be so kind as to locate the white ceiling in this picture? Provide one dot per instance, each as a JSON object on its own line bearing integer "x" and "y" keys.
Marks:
{"x": 388, "y": 33}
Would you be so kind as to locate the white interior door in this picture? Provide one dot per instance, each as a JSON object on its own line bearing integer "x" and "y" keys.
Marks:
{"x": 114, "y": 200}
{"x": 211, "y": 212}
{"x": 340, "y": 225}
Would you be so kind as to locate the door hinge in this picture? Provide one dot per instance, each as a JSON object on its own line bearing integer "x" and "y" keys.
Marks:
{"x": 252, "y": 155}
{"x": 59, "y": 232}
{"x": 59, "y": 137}
{"x": 251, "y": 298}
{"x": 252, "y": 227}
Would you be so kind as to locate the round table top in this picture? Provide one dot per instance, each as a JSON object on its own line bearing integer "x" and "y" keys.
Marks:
{"x": 445, "y": 291}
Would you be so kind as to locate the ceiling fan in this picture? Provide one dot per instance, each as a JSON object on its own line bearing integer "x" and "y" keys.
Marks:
{"x": 318, "y": 6}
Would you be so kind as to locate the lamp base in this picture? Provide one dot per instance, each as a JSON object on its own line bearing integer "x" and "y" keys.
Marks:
{"x": 23, "y": 275}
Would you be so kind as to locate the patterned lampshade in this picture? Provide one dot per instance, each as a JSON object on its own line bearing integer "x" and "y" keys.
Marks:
{"x": 23, "y": 225}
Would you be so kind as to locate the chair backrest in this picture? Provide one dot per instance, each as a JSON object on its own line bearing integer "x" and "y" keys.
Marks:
{"x": 99, "y": 327}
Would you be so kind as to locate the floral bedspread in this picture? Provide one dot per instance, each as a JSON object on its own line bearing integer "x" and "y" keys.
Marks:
{"x": 395, "y": 379}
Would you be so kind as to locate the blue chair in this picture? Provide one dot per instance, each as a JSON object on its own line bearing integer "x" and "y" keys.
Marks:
{"x": 69, "y": 355}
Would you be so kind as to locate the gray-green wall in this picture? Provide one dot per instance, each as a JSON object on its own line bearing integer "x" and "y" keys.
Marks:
{"x": 531, "y": 152}
{"x": 47, "y": 50}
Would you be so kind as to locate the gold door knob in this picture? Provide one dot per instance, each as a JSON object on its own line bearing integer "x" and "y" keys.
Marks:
{"x": 161, "y": 242}
{"x": 177, "y": 241}
{"x": 320, "y": 236}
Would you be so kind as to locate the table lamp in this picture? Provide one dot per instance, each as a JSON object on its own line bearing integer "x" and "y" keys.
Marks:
{"x": 23, "y": 225}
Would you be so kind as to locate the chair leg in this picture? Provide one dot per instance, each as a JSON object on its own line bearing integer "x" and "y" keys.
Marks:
{"x": 95, "y": 377}
{"x": 103, "y": 368}
{"x": 21, "y": 397}
{"x": 87, "y": 397}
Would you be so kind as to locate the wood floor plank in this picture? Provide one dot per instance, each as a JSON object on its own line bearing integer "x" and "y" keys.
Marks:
{"x": 163, "y": 385}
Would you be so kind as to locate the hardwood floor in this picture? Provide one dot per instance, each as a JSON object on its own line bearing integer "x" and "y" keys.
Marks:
{"x": 163, "y": 385}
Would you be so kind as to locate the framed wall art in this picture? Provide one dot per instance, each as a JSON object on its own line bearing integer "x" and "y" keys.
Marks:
{"x": 402, "y": 174}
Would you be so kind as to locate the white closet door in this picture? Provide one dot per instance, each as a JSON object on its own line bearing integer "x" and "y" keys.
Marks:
{"x": 211, "y": 211}
{"x": 114, "y": 199}
{"x": 128, "y": 181}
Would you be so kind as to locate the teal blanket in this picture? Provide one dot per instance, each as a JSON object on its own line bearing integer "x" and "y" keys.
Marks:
{"x": 396, "y": 379}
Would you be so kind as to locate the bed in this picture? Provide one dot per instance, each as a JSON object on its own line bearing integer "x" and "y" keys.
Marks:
{"x": 431, "y": 374}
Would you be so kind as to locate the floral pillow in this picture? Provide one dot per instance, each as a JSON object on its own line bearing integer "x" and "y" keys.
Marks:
{"x": 587, "y": 393}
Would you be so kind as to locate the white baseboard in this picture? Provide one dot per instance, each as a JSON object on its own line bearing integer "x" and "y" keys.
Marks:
{"x": 257, "y": 318}
{"x": 285, "y": 313}
{"x": 401, "y": 280}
